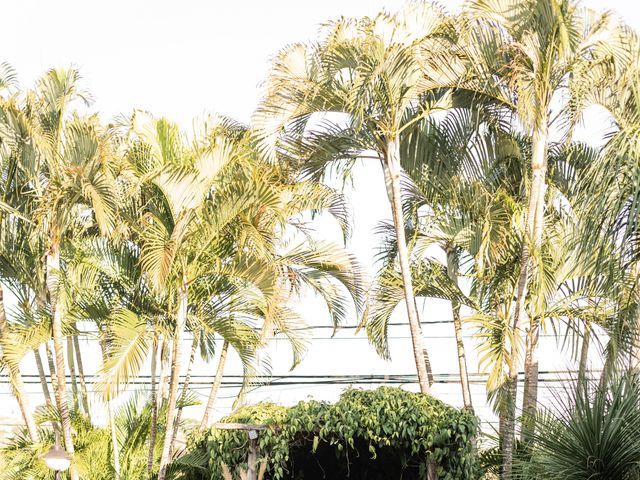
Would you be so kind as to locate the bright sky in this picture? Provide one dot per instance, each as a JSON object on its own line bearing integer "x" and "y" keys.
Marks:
{"x": 176, "y": 58}
{"x": 179, "y": 59}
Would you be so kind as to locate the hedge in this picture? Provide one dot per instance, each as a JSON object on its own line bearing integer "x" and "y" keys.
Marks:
{"x": 415, "y": 424}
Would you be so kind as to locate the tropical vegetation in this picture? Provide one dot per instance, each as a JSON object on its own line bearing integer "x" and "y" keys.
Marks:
{"x": 142, "y": 235}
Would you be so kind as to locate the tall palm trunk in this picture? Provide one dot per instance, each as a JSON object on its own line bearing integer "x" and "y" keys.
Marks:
{"x": 41, "y": 301}
{"x": 52, "y": 368}
{"x": 452, "y": 271}
{"x": 531, "y": 365}
{"x": 635, "y": 345}
{"x": 114, "y": 442}
{"x": 154, "y": 407}
{"x": 185, "y": 386}
{"x": 42, "y": 376}
{"x": 53, "y": 274}
{"x": 72, "y": 373}
{"x": 181, "y": 319}
{"x": 584, "y": 354}
{"x": 636, "y": 349}
{"x": 54, "y": 380}
{"x": 531, "y": 238}
{"x": 164, "y": 355}
{"x": 609, "y": 367}
{"x": 83, "y": 383}
{"x": 115, "y": 451}
{"x": 215, "y": 386}
{"x": 420, "y": 353}
{"x": 15, "y": 378}
{"x": 531, "y": 373}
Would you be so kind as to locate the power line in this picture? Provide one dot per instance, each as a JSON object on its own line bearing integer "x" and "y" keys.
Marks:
{"x": 278, "y": 337}
{"x": 320, "y": 379}
{"x": 298, "y": 385}
{"x": 90, "y": 333}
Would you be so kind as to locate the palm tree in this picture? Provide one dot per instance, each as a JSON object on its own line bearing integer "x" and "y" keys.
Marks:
{"x": 23, "y": 272}
{"x": 62, "y": 164}
{"x": 318, "y": 266}
{"x": 450, "y": 165}
{"x": 20, "y": 272}
{"x": 351, "y": 96}
{"x": 240, "y": 201}
{"x": 111, "y": 290}
{"x": 14, "y": 373}
{"x": 609, "y": 198}
{"x": 179, "y": 223}
{"x": 461, "y": 193}
{"x": 541, "y": 50}
{"x": 459, "y": 197}
{"x": 8, "y": 191}
{"x": 68, "y": 172}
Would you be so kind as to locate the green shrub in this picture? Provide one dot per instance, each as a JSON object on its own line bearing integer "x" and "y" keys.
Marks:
{"x": 413, "y": 426}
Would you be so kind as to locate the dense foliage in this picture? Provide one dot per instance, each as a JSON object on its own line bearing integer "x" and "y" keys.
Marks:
{"x": 136, "y": 232}
{"x": 22, "y": 459}
{"x": 419, "y": 428}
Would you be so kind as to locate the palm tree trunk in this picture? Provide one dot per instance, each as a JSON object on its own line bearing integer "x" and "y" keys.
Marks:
{"x": 112, "y": 424}
{"x": 215, "y": 386}
{"x": 54, "y": 380}
{"x": 114, "y": 442}
{"x": 584, "y": 354}
{"x": 635, "y": 354}
{"x": 511, "y": 383}
{"x": 185, "y": 386}
{"x": 181, "y": 319}
{"x": 154, "y": 407}
{"x": 42, "y": 375}
{"x": 52, "y": 368}
{"x": 83, "y": 383}
{"x": 164, "y": 354}
{"x": 500, "y": 426}
{"x": 531, "y": 370}
{"x": 635, "y": 344}
{"x": 41, "y": 301}
{"x": 420, "y": 353}
{"x": 72, "y": 373}
{"x": 531, "y": 366}
{"x": 53, "y": 274}
{"x": 452, "y": 271}
{"x": 531, "y": 237}
{"x": 17, "y": 385}
{"x": 609, "y": 367}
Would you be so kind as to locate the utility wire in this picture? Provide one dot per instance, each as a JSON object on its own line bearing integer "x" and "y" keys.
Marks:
{"x": 238, "y": 380}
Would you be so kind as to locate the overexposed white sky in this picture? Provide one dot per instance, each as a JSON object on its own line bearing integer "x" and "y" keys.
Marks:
{"x": 173, "y": 58}
{"x": 180, "y": 59}
{"x": 177, "y": 59}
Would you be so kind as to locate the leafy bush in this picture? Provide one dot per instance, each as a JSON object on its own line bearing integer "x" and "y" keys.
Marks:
{"x": 412, "y": 426}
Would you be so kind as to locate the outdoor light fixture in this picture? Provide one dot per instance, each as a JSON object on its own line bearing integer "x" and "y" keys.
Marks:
{"x": 56, "y": 458}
